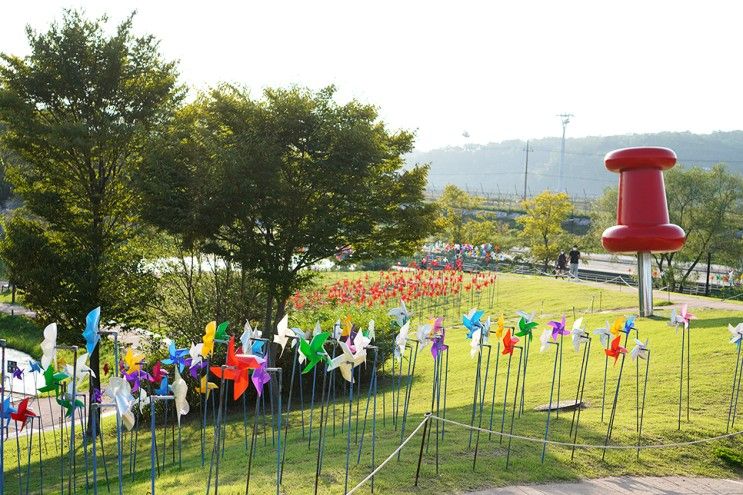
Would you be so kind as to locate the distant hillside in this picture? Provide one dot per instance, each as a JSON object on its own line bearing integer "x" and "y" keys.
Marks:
{"x": 499, "y": 167}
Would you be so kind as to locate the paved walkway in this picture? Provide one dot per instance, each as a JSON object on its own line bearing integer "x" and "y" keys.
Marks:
{"x": 628, "y": 485}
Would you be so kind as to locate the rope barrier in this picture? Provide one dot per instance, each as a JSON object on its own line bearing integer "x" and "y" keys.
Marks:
{"x": 398, "y": 449}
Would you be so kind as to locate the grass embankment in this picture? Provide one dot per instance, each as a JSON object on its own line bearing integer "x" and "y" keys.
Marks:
{"x": 712, "y": 362}
{"x": 21, "y": 333}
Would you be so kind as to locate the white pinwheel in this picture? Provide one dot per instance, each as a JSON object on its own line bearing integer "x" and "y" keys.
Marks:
{"x": 283, "y": 334}
{"x": 360, "y": 343}
{"x": 180, "y": 390}
{"x": 247, "y": 336}
{"x": 143, "y": 401}
{"x": 317, "y": 330}
{"x": 82, "y": 370}
{"x": 475, "y": 342}
{"x": 337, "y": 330}
{"x": 49, "y": 345}
{"x": 195, "y": 353}
{"x": 545, "y": 340}
{"x": 400, "y": 314}
{"x": 528, "y": 317}
{"x": 119, "y": 390}
{"x": 578, "y": 333}
{"x": 640, "y": 351}
{"x": 423, "y": 334}
{"x": 401, "y": 340}
{"x": 736, "y": 333}
{"x": 604, "y": 334}
{"x": 344, "y": 362}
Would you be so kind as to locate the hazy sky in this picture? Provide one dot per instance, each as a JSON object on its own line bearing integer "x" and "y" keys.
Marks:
{"x": 498, "y": 70}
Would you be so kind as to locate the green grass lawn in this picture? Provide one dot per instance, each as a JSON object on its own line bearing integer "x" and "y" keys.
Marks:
{"x": 21, "y": 333}
{"x": 712, "y": 362}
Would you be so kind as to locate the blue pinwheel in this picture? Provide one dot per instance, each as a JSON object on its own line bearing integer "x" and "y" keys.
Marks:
{"x": 629, "y": 325}
{"x": 472, "y": 321}
{"x": 90, "y": 334}
{"x": 35, "y": 366}
{"x": 176, "y": 357}
{"x": 7, "y": 410}
{"x": 258, "y": 348}
{"x": 163, "y": 389}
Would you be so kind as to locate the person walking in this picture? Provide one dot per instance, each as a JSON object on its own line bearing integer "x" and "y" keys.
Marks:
{"x": 574, "y": 255}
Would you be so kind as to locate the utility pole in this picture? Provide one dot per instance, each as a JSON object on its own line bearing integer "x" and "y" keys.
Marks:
{"x": 526, "y": 167}
{"x": 565, "y": 119}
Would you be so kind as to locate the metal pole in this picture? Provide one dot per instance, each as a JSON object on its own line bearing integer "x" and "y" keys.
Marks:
{"x": 645, "y": 284}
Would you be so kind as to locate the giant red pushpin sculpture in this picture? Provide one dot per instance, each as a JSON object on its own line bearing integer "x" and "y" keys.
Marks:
{"x": 642, "y": 212}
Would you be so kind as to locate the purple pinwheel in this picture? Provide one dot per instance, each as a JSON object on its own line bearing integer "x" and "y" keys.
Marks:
{"x": 196, "y": 369}
{"x": 176, "y": 357}
{"x": 18, "y": 373}
{"x": 135, "y": 377}
{"x": 97, "y": 395}
{"x": 438, "y": 346}
{"x": 260, "y": 377}
{"x": 558, "y": 328}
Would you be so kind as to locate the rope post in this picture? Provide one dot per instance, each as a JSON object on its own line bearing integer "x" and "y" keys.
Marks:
{"x": 423, "y": 444}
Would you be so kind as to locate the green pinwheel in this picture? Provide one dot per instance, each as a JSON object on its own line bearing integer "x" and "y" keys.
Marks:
{"x": 68, "y": 406}
{"x": 52, "y": 379}
{"x": 222, "y": 331}
{"x": 314, "y": 351}
{"x": 526, "y": 327}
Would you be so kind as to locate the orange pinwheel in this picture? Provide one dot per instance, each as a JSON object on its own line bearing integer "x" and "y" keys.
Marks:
{"x": 509, "y": 343}
{"x": 615, "y": 350}
{"x": 23, "y": 413}
{"x": 238, "y": 367}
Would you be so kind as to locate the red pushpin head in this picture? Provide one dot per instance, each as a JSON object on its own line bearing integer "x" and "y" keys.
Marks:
{"x": 642, "y": 212}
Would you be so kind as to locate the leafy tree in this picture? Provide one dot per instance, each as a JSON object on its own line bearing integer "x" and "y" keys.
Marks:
{"x": 542, "y": 224}
{"x": 454, "y": 206}
{"x": 278, "y": 183}
{"x": 78, "y": 113}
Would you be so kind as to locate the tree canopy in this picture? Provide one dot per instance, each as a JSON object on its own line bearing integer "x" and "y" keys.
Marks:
{"x": 280, "y": 182}
{"x": 78, "y": 112}
{"x": 542, "y": 223}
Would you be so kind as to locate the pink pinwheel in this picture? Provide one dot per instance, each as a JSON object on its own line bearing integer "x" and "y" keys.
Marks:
{"x": 260, "y": 377}
{"x": 558, "y": 328}
{"x": 158, "y": 373}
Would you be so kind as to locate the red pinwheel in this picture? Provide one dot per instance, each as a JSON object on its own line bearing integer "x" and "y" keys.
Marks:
{"x": 157, "y": 374}
{"x": 23, "y": 413}
{"x": 615, "y": 350}
{"x": 509, "y": 343}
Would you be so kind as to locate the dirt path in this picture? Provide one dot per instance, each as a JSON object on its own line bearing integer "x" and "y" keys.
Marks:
{"x": 626, "y": 485}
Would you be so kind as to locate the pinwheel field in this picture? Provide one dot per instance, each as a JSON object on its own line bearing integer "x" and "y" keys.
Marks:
{"x": 712, "y": 361}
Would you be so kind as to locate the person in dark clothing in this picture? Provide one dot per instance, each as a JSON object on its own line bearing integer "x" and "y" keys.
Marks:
{"x": 562, "y": 263}
{"x": 574, "y": 259}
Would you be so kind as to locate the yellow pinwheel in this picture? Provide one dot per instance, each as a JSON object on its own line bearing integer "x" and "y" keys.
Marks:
{"x": 132, "y": 360}
{"x": 347, "y": 326}
{"x": 208, "y": 339}
{"x": 617, "y": 327}
{"x": 500, "y": 328}
{"x": 206, "y": 387}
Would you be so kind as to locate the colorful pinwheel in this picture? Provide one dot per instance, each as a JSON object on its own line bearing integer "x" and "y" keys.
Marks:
{"x": 629, "y": 325}
{"x": 97, "y": 395}
{"x": 438, "y": 346}
{"x": 135, "y": 379}
{"x": 49, "y": 345}
{"x": 558, "y": 328}
{"x": 471, "y": 321}
{"x": 736, "y": 333}
{"x": 206, "y": 387}
{"x": 617, "y": 327}
{"x": 401, "y": 340}
{"x": 164, "y": 388}
{"x": 260, "y": 377}
{"x": 604, "y": 334}
{"x": 119, "y": 390}
{"x": 616, "y": 349}
{"x": 132, "y": 361}
{"x": 640, "y": 351}
{"x": 158, "y": 373}
{"x": 500, "y": 327}
{"x": 237, "y": 369}
{"x": 544, "y": 339}
{"x": 283, "y": 334}
{"x": 248, "y": 336}
{"x": 90, "y": 334}
{"x": 400, "y": 314}
{"x": 221, "y": 333}
{"x": 578, "y": 333}
{"x": 313, "y": 351}
{"x": 35, "y": 366}
{"x": 6, "y": 411}
{"x": 509, "y": 343}
{"x": 69, "y": 405}
{"x": 23, "y": 413}
{"x": 681, "y": 318}
{"x": 18, "y": 373}
{"x": 176, "y": 357}
{"x": 526, "y": 326}
{"x": 207, "y": 345}
{"x": 180, "y": 391}
{"x": 52, "y": 379}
